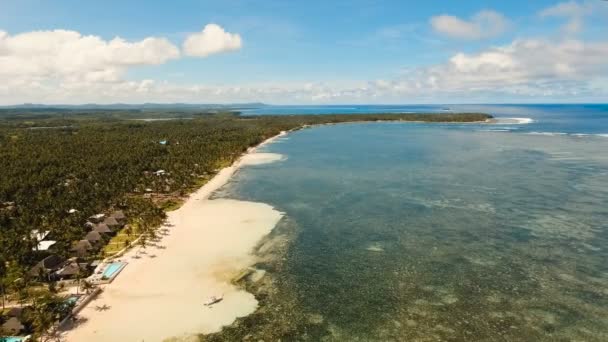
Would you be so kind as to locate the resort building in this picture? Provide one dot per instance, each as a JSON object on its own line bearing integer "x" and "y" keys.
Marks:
{"x": 112, "y": 223}
{"x": 46, "y": 266}
{"x": 102, "y": 228}
{"x": 44, "y": 245}
{"x": 69, "y": 270}
{"x": 81, "y": 248}
{"x": 93, "y": 237}
{"x": 14, "y": 312}
{"x": 97, "y": 218}
{"x": 119, "y": 216}
{"x": 13, "y": 326}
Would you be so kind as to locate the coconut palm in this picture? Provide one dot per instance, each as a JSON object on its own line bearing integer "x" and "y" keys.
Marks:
{"x": 86, "y": 286}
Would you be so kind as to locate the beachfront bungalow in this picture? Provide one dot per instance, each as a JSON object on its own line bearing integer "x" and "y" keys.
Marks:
{"x": 81, "y": 248}
{"x": 102, "y": 228}
{"x": 46, "y": 266}
{"x": 44, "y": 245}
{"x": 93, "y": 237}
{"x": 13, "y": 326}
{"x": 69, "y": 270}
{"x": 96, "y": 218}
{"x": 112, "y": 223}
{"x": 38, "y": 235}
{"x": 14, "y": 312}
{"x": 119, "y": 216}
{"x": 93, "y": 265}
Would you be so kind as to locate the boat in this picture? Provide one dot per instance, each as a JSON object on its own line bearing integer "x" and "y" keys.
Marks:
{"x": 213, "y": 300}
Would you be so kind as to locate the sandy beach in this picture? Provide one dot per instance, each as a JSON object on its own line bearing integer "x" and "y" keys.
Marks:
{"x": 159, "y": 296}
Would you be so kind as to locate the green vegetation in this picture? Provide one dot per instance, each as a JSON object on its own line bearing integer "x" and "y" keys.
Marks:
{"x": 60, "y": 167}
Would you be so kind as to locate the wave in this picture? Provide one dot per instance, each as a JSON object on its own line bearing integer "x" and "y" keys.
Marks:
{"x": 496, "y": 130}
{"x": 580, "y": 135}
{"x": 512, "y": 121}
{"x": 547, "y": 133}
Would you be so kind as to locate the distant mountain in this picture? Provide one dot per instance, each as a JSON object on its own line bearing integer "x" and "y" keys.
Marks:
{"x": 143, "y": 106}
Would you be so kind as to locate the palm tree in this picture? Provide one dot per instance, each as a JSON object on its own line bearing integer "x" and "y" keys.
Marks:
{"x": 86, "y": 286}
{"x": 79, "y": 275}
{"x": 2, "y": 282}
{"x": 143, "y": 240}
{"x": 128, "y": 230}
{"x": 52, "y": 285}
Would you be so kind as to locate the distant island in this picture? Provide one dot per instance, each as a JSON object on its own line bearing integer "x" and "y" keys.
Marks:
{"x": 81, "y": 186}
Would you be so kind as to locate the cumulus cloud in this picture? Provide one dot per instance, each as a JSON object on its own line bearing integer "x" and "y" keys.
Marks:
{"x": 211, "y": 40}
{"x": 66, "y": 67}
{"x": 524, "y": 64}
{"x": 484, "y": 24}
{"x": 573, "y": 11}
{"x": 63, "y": 54}
{"x": 528, "y": 68}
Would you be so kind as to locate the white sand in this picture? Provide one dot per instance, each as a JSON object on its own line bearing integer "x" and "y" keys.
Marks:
{"x": 260, "y": 158}
{"x": 154, "y": 299}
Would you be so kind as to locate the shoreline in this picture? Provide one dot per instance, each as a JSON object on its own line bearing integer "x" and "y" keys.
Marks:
{"x": 142, "y": 302}
{"x": 160, "y": 294}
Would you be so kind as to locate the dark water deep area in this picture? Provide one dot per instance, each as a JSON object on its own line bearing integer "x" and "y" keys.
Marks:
{"x": 436, "y": 232}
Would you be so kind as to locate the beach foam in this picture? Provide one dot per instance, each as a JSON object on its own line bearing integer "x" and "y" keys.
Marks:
{"x": 512, "y": 121}
{"x": 547, "y": 133}
{"x": 496, "y": 130}
{"x": 578, "y": 135}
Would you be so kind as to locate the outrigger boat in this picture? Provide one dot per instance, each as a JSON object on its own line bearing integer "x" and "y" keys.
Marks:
{"x": 213, "y": 300}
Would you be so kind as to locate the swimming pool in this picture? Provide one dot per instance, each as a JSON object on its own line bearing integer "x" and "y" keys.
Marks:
{"x": 72, "y": 300}
{"x": 112, "y": 270}
{"x": 12, "y": 339}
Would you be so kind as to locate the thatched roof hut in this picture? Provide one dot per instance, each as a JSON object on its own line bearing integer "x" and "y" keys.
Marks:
{"x": 119, "y": 215}
{"x": 14, "y": 312}
{"x": 46, "y": 265}
{"x": 93, "y": 237}
{"x": 111, "y": 222}
{"x": 69, "y": 270}
{"x": 96, "y": 218}
{"x": 102, "y": 228}
{"x": 82, "y": 247}
{"x": 13, "y": 326}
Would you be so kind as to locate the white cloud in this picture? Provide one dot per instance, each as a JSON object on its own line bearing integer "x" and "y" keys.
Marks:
{"x": 66, "y": 67}
{"x": 61, "y": 54}
{"x": 211, "y": 40}
{"x": 573, "y": 11}
{"x": 531, "y": 64}
{"x": 484, "y": 24}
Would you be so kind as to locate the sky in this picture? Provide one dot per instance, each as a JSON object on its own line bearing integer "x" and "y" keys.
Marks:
{"x": 303, "y": 52}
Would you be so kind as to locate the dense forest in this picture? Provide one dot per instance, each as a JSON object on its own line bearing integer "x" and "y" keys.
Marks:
{"x": 60, "y": 167}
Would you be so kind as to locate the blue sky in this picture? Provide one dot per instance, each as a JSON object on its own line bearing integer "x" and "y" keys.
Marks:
{"x": 357, "y": 51}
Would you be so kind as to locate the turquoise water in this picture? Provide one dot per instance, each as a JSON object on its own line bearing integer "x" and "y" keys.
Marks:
{"x": 72, "y": 300}
{"x": 548, "y": 118}
{"x": 418, "y": 232}
{"x": 11, "y": 339}
{"x": 111, "y": 269}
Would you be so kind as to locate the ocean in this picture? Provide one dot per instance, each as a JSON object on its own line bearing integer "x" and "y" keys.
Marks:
{"x": 434, "y": 232}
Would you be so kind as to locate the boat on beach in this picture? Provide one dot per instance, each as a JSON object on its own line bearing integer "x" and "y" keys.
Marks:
{"x": 213, "y": 300}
